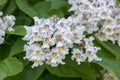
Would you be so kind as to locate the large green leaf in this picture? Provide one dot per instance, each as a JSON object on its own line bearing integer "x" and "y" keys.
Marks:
{"x": 19, "y": 30}
{"x": 72, "y": 69}
{"x": 25, "y": 7}
{"x": 32, "y": 74}
{"x": 114, "y": 49}
{"x": 17, "y": 47}
{"x": 41, "y": 9}
{"x": 10, "y": 66}
{"x": 109, "y": 62}
{"x": 28, "y": 74}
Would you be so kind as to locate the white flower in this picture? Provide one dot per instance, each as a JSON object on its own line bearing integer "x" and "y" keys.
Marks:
{"x": 6, "y": 23}
{"x": 78, "y": 55}
{"x": 91, "y": 53}
{"x": 89, "y": 41}
{"x": 9, "y": 21}
{"x": 34, "y": 53}
{"x": 54, "y": 58}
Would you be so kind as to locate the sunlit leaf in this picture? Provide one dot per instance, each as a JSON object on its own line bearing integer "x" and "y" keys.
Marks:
{"x": 10, "y": 66}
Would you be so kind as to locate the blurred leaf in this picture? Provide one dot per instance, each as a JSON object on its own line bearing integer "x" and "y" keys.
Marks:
{"x": 71, "y": 69}
{"x": 19, "y": 30}
{"x": 2, "y": 2}
{"x": 112, "y": 48}
{"x": 17, "y": 47}
{"x": 117, "y": 2}
{"x": 56, "y": 4}
{"x": 10, "y": 66}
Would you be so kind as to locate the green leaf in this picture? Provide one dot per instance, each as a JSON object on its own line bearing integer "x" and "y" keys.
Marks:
{"x": 72, "y": 69}
{"x": 59, "y": 12}
{"x": 2, "y": 2}
{"x": 10, "y": 66}
{"x": 11, "y": 7}
{"x": 4, "y": 48}
{"x": 17, "y": 47}
{"x": 56, "y": 4}
{"x": 117, "y": 2}
{"x": 109, "y": 62}
{"x": 40, "y": 9}
{"x": 28, "y": 74}
{"x": 23, "y": 20}
{"x": 25, "y": 7}
{"x": 32, "y": 74}
{"x": 112, "y": 48}
{"x": 19, "y": 30}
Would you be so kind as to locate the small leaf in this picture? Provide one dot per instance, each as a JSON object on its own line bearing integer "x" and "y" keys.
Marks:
{"x": 10, "y": 66}
{"x": 17, "y": 47}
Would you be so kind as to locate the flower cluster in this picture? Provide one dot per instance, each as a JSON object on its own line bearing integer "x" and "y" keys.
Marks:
{"x": 49, "y": 41}
{"x": 6, "y": 23}
{"x": 95, "y": 14}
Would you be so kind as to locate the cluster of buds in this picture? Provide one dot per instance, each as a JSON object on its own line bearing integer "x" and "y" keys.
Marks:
{"x": 49, "y": 41}
{"x": 6, "y": 23}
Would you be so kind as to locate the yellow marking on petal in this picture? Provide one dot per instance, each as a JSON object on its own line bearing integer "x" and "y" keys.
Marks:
{"x": 54, "y": 55}
{"x": 36, "y": 36}
{"x": 38, "y": 53}
{"x": 46, "y": 41}
{"x": 77, "y": 55}
{"x": 36, "y": 62}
